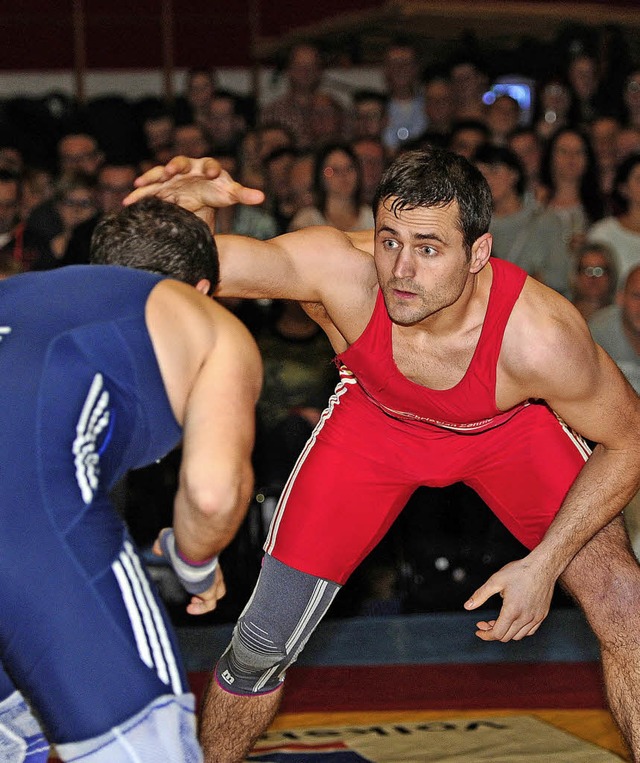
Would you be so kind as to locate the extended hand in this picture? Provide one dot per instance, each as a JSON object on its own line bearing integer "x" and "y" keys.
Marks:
{"x": 208, "y": 601}
{"x": 526, "y": 592}
{"x": 194, "y": 184}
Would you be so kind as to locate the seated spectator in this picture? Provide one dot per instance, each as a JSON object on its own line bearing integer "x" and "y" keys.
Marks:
{"x": 527, "y": 146}
{"x": 569, "y": 173}
{"x": 631, "y": 97}
{"x": 622, "y": 231}
{"x": 469, "y": 83}
{"x": 337, "y": 192}
{"x": 627, "y": 142}
{"x": 193, "y": 107}
{"x": 191, "y": 139}
{"x": 277, "y": 187}
{"x": 438, "y": 106}
{"x": 373, "y": 162}
{"x": 405, "y": 117}
{"x": 554, "y": 107}
{"x": 301, "y": 182}
{"x": 584, "y": 79}
{"x": 502, "y": 117}
{"x": 595, "y": 278}
{"x": 226, "y": 124}
{"x": 467, "y": 136}
{"x": 616, "y": 328}
{"x": 76, "y": 201}
{"x": 37, "y": 187}
{"x": 158, "y": 125}
{"x": 369, "y": 114}
{"x": 20, "y": 248}
{"x": 326, "y": 120}
{"x": 304, "y": 72}
{"x": 528, "y": 236}
{"x": 115, "y": 181}
{"x": 603, "y": 134}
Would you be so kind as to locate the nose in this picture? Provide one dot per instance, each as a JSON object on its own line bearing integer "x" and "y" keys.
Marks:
{"x": 404, "y": 266}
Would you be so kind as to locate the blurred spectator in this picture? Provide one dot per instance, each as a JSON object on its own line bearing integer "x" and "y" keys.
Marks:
{"x": 526, "y": 144}
{"x": 584, "y": 79}
{"x": 158, "y": 125}
{"x": 79, "y": 152}
{"x": 617, "y": 328}
{"x": 554, "y": 107}
{"x": 304, "y": 73}
{"x": 502, "y": 117}
{"x": 469, "y": 83}
{"x": 191, "y": 139}
{"x": 622, "y": 231}
{"x": 603, "y": 133}
{"x": 37, "y": 187}
{"x": 467, "y": 136}
{"x": 277, "y": 186}
{"x": 337, "y": 185}
{"x": 528, "y": 236}
{"x": 20, "y": 249}
{"x": 301, "y": 182}
{"x": 241, "y": 219}
{"x": 369, "y": 114}
{"x": 373, "y": 161}
{"x": 225, "y": 123}
{"x": 595, "y": 278}
{"x": 631, "y": 97}
{"x": 569, "y": 174}
{"x": 75, "y": 199}
{"x": 406, "y": 119}
{"x": 11, "y": 159}
{"x": 194, "y": 106}
{"x": 438, "y": 106}
{"x": 627, "y": 142}
{"x": 115, "y": 181}
{"x": 326, "y": 120}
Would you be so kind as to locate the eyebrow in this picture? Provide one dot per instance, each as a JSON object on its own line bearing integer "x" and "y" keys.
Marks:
{"x": 415, "y": 236}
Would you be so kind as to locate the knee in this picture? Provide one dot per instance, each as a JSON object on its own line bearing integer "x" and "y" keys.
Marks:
{"x": 254, "y": 662}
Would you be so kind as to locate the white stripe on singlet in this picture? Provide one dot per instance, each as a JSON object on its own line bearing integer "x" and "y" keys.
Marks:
{"x": 148, "y": 626}
{"x": 576, "y": 439}
{"x": 94, "y": 417}
{"x": 334, "y": 400}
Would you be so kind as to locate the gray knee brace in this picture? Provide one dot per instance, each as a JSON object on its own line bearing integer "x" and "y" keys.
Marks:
{"x": 282, "y": 613}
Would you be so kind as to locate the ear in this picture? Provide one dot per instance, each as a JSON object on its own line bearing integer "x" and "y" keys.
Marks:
{"x": 480, "y": 252}
{"x": 203, "y": 286}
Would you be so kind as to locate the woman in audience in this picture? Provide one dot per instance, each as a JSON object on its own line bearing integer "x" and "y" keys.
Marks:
{"x": 622, "y": 230}
{"x": 337, "y": 192}
{"x": 569, "y": 174}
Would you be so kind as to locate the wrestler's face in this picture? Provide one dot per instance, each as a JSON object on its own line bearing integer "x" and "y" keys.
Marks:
{"x": 422, "y": 263}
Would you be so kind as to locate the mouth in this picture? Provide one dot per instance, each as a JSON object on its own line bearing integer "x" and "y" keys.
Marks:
{"x": 401, "y": 294}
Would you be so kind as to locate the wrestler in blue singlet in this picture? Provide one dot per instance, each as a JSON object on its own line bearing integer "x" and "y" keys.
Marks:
{"x": 83, "y": 636}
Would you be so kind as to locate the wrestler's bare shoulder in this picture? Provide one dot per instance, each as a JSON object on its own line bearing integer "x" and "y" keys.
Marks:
{"x": 545, "y": 339}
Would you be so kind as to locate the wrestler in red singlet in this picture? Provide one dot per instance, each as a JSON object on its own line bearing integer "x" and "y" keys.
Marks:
{"x": 382, "y": 436}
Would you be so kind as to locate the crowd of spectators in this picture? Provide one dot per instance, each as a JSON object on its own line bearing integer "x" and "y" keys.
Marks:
{"x": 564, "y": 175}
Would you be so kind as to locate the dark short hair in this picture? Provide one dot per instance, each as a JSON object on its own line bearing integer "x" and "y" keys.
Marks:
{"x": 158, "y": 236}
{"x": 436, "y": 177}
{"x": 492, "y": 155}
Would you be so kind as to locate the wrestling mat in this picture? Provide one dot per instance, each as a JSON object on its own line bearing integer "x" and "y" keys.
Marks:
{"x": 470, "y": 738}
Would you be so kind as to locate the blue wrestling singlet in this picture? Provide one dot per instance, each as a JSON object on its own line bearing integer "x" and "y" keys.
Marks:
{"x": 83, "y": 635}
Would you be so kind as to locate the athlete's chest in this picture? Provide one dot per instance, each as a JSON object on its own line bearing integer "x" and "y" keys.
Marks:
{"x": 436, "y": 362}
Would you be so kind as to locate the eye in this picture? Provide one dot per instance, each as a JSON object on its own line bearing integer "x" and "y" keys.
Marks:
{"x": 427, "y": 251}
{"x": 390, "y": 243}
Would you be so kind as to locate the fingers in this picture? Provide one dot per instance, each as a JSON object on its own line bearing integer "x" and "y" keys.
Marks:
{"x": 142, "y": 192}
{"x": 156, "y": 548}
{"x": 207, "y": 601}
{"x": 482, "y": 594}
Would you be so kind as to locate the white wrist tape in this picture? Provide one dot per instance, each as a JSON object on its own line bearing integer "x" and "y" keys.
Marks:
{"x": 195, "y": 578}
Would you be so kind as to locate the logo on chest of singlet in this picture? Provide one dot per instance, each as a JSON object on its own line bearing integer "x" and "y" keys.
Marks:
{"x": 94, "y": 420}
{"x": 4, "y": 331}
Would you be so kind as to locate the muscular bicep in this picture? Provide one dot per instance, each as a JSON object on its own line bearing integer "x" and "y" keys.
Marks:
{"x": 303, "y": 265}
{"x": 220, "y": 415}
{"x": 588, "y": 391}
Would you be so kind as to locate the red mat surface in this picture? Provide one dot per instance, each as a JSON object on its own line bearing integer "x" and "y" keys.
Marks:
{"x": 562, "y": 685}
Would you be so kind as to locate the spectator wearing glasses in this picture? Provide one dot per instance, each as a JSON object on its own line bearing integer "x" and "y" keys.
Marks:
{"x": 593, "y": 283}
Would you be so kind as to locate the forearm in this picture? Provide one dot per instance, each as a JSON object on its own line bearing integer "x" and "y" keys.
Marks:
{"x": 604, "y": 486}
{"x": 204, "y": 526}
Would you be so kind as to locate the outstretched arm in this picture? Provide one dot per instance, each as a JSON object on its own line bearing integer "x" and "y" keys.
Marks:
{"x": 585, "y": 388}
